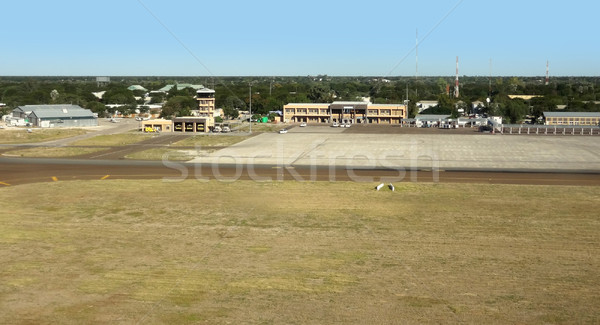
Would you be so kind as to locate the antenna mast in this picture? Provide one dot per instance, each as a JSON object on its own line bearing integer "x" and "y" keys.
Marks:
{"x": 490, "y": 79}
{"x": 547, "y": 72}
{"x": 456, "y": 91}
{"x": 417, "y": 63}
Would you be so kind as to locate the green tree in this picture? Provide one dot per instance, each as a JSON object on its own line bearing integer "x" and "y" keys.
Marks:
{"x": 233, "y": 102}
{"x": 413, "y": 110}
{"x": 4, "y": 110}
{"x": 178, "y": 106}
{"x": 231, "y": 112}
{"x": 181, "y": 92}
{"x": 319, "y": 94}
{"x": 97, "y": 107}
{"x": 157, "y": 98}
{"x": 515, "y": 110}
{"x": 118, "y": 94}
{"x": 445, "y": 102}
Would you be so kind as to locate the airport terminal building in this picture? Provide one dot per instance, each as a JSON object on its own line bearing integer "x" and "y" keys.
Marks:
{"x": 344, "y": 112}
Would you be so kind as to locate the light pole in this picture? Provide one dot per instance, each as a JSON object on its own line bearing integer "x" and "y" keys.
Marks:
{"x": 250, "y": 93}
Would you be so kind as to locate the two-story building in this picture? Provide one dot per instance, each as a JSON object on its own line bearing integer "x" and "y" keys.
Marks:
{"x": 572, "y": 118}
{"x": 344, "y": 112}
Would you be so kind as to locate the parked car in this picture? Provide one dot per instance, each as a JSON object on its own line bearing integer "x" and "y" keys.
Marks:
{"x": 485, "y": 129}
{"x": 226, "y": 129}
{"x": 217, "y": 129}
{"x": 282, "y": 131}
{"x": 303, "y": 124}
{"x": 335, "y": 125}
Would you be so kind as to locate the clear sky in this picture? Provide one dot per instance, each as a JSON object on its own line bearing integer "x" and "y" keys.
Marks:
{"x": 296, "y": 38}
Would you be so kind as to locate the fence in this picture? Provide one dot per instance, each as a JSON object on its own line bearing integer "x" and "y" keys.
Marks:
{"x": 520, "y": 129}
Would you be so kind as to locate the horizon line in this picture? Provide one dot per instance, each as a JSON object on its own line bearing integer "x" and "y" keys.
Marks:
{"x": 287, "y": 76}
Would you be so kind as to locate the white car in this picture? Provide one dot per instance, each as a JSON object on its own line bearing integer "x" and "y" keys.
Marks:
{"x": 335, "y": 125}
{"x": 282, "y": 131}
{"x": 303, "y": 124}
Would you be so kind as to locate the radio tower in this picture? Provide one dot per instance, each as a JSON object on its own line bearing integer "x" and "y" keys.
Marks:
{"x": 456, "y": 91}
{"x": 547, "y": 73}
{"x": 417, "y": 63}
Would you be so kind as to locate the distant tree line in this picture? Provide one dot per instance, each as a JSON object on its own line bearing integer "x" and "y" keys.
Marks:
{"x": 271, "y": 93}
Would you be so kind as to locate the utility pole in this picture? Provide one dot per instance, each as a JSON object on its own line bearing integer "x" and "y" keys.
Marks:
{"x": 547, "y": 73}
{"x": 250, "y": 93}
{"x": 490, "y": 80}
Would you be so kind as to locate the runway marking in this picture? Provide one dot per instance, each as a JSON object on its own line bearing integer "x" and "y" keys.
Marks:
{"x": 5, "y": 184}
{"x": 105, "y": 177}
{"x": 54, "y": 178}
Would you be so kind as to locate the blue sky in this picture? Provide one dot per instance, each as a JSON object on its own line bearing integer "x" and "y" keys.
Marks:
{"x": 309, "y": 37}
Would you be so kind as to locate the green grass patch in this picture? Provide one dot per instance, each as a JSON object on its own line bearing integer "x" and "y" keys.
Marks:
{"x": 149, "y": 251}
{"x": 20, "y": 135}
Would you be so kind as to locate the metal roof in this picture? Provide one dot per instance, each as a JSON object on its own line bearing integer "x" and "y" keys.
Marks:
{"x": 167, "y": 88}
{"x": 29, "y": 108}
{"x": 57, "y": 111}
{"x": 572, "y": 114}
{"x": 205, "y": 91}
{"x": 308, "y": 104}
{"x": 350, "y": 103}
{"x": 137, "y": 87}
{"x": 385, "y": 105}
{"x": 431, "y": 117}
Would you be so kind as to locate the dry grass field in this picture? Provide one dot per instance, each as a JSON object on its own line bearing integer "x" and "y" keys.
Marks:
{"x": 113, "y": 140}
{"x": 20, "y": 135}
{"x": 150, "y": 252}
{"x": 52, "y": 152}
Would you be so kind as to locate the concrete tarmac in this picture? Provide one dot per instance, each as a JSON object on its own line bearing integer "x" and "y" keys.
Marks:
{"x": 326, "y": 146}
